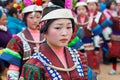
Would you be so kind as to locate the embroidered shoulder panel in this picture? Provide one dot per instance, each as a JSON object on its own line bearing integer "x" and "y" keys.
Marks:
{"x": 26, "y": 47}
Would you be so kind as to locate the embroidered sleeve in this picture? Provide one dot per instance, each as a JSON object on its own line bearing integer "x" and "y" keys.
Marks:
{"x": 105, "y": 22}
{"x": 12, "y": 54}
{"x": 30, "y": 71}
{"x": 76, "y": 43}
{"x": 15, "y": 44}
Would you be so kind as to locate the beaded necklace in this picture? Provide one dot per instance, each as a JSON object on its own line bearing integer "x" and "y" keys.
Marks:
{"x": 31, "y": 41}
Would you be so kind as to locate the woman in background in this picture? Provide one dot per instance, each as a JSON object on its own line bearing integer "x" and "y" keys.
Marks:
{"x": 23, "y": 45}
{"x": 115, "y": 40}
{"x": 15, "y": 25}
{"x": 5, "y": 37}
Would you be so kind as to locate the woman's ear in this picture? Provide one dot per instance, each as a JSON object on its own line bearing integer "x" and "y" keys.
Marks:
{"x": 45, "y": 36}
{"x": 14, "y": 15}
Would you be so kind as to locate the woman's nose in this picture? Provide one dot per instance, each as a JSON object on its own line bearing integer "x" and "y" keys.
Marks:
{"x": 35, "y": 20}
{"x": 64, "y": 32}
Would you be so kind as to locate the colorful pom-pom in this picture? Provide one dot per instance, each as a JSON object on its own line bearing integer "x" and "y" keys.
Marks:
{"x": 15, "y": 5}
{"x": 19, "y": 7}
{"x": 38, "y": 2}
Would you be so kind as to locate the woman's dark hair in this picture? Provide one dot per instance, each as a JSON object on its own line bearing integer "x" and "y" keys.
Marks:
{"x": 25, "y": 18}
{"x": 60, "y": 3}
{"x": 109, "y": 3}
{"x": 1, "y": 3}
{"x": 12, "y": 11}
{"x": 7, "y": 2}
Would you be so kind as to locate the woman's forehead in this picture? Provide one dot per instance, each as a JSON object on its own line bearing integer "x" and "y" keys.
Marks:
{"x": 62, "y": 20}
{"x": 36, "y": 13}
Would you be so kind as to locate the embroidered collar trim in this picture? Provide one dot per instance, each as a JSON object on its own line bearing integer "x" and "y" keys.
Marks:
{"x": 3, "y": 28}
{"x": 31, "y": 41}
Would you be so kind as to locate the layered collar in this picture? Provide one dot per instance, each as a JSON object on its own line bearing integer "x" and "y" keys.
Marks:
{"x": 91, "y": 14}
{"x": 3, "y": 28}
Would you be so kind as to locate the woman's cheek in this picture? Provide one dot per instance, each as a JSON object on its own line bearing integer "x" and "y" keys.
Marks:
{"x": 53, "y": 33}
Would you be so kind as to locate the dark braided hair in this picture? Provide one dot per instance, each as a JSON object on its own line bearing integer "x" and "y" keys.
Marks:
{"x": 58, "y": 2}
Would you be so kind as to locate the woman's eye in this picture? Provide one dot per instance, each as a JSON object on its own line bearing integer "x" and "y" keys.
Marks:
{"x": 69, "y": 27}
{"x": 31, "y": 17}
{"x": 57, "y": 27}
{"x": 38, "y": 17}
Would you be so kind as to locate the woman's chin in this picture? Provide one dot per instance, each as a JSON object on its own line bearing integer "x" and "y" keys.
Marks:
{"x": 35, "y": 28}
{"x": 63, "y": 44}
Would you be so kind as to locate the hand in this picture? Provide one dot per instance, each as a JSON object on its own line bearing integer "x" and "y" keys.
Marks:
{"x": 97, "y": 52}
{"x": 12, "y": 75}
{"x": 109, "y": 44}
{"x": 85, "y": 55}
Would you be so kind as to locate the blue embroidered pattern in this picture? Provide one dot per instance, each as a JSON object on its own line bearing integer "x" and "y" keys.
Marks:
{"x": 79, "y": 67}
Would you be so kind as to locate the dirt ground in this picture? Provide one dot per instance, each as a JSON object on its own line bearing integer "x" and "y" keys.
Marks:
{"x": 104, "y": 73}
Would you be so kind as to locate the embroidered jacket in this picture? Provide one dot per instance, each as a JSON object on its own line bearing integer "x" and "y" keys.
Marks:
{"x": 115, "y": 37}
{"x": 116, "y": 21}
{"x": 36, "y": 69}
{"x": 81, "y": 31}
{"x": 18, "y": 50}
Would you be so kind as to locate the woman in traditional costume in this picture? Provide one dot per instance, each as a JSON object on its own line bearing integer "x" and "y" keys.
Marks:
{"x": 23, "y": 45}
{"x": 100, "y": 22}
{"x": 53, "y": 60}
{"x": 115, "y": 40}
{"x": 91, "y": 38}
{"x": 5, "y": 34}
{"x": 81, "y": 21}
{"x": 5, "y": 37}
{"x": 109, "y": 13}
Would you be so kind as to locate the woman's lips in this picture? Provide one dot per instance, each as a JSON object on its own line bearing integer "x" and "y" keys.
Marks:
{"x": 64, "y": 40}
